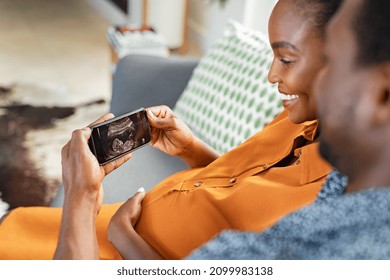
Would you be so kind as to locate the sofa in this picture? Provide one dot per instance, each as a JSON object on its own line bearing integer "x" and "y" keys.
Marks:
{"x": 143, "y": 81}
{"x": 224, "y": 98}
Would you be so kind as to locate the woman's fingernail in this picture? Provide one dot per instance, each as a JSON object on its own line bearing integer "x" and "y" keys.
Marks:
{"x": 141, "y": 190}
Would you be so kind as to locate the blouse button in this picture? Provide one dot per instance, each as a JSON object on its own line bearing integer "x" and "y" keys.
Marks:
{"x": 233, "y": 180}
{"x": 198, "y": 184}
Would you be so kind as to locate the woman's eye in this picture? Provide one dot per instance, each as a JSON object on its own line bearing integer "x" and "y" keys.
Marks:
{"x": 285, "y": 61}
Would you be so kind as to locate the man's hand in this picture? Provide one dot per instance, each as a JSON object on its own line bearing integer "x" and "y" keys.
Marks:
{"x": 82, "y": 176}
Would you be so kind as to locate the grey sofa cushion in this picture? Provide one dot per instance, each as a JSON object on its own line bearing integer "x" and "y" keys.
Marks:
{"x": 143, "y": 81}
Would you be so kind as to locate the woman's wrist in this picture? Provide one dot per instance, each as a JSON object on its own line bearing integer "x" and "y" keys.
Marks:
{"x": 117, "y": 229}
{"x": 188, "y": 151}
{"x": 121, "y": 236}
{"x": 199, "y": 154}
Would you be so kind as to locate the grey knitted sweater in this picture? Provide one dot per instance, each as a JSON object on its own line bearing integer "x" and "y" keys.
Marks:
{"x": 336, "y": 226}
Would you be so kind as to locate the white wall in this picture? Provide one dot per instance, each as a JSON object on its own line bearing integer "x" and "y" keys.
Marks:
{"x": 168, "y": 16}
{"x": 257, "y": 12}
{"x": 207, "y": 19}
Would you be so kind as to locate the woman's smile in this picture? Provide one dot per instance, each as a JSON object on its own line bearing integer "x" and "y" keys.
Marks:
{"x": 289, "y": 99}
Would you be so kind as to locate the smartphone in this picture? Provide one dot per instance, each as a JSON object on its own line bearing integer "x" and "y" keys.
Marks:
{"x": 119, "y": 136}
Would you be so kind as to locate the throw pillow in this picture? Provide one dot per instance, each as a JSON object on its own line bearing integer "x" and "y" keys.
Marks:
{"x": 228, "y": 97}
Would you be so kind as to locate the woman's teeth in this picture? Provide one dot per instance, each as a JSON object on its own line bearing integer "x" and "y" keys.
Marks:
{"x": 289, "y": 97}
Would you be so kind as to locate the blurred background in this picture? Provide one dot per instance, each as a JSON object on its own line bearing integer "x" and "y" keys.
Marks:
{"x": 57, "y": 60}
{"x": 63, "y": 43}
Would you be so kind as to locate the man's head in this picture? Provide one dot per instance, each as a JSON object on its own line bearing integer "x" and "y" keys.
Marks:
{"x": 353, "y": 92}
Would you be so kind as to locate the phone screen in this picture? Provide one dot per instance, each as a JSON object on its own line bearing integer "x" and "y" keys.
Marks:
{"x": 119, "y": 136}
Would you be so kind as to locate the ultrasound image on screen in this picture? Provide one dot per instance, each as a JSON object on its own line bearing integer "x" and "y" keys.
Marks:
{"x": 122, "y": 136}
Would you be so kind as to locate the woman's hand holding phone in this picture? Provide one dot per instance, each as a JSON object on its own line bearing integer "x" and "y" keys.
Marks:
{"x": 172, "y": 136}
{"x": 169, "y": 133}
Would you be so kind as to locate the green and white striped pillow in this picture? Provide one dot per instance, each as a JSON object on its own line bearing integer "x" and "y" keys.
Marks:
{"x": 228, "y": 97}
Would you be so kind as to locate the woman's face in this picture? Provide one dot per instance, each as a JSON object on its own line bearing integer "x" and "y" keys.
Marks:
{"x": 297, "y": 52}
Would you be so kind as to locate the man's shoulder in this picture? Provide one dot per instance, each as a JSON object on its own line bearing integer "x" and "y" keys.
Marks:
{"x": 351, "y": 226}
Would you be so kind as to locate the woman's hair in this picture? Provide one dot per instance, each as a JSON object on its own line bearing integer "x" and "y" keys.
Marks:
{"x": 317, "y": 12}
{"x": 372, "y": 32}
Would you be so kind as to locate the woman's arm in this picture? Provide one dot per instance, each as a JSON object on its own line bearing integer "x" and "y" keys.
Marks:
{"x": 121, "y": 233}
{"x": 172, "y": 136}
{"x": 129, "y": 244}
{"x": 199, "y": 154}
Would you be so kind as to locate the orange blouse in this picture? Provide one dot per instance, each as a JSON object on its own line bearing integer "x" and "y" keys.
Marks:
{"x": 244, "y": 189}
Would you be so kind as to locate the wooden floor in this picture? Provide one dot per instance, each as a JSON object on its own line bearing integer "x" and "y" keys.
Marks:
{"x": 60, "y": 42}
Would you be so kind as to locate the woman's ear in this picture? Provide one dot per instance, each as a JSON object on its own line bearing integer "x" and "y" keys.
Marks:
{"x": 382, "y": 112}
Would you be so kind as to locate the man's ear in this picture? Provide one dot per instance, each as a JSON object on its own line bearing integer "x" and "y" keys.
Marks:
{"x": 382, "y": 95}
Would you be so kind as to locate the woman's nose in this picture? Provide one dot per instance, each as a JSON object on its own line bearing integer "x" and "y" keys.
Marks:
{"x": 273, "y": 75}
